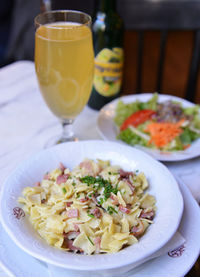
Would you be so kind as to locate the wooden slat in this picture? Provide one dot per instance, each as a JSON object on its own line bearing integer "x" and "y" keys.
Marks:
{"x": 163, "y": 40}
{"x": 194, "y": 68}
{"x": 140, "y": 61}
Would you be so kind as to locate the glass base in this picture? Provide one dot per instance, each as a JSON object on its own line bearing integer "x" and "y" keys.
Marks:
{"x": 57, "y": 140}
{"x": 61, "y": 140}
{"x": 66, "y": 136}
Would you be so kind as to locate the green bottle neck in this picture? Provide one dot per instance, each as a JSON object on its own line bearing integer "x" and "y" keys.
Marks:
{"x": 107, "y": 5}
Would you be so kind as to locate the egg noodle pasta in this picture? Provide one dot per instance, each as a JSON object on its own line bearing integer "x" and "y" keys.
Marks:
{"x": 95, "y": 208}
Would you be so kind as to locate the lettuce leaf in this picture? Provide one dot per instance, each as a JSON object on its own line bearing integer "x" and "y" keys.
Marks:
{"x": 188, "y": 136}
{"x": 192, "y": 110}
{"x": 131, "y": 138}
{"x": 123, "y": 111}
{"x": 152, "y": 103}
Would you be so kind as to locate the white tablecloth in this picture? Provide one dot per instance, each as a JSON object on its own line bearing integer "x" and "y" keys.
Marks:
{"x": 26, "y": 124}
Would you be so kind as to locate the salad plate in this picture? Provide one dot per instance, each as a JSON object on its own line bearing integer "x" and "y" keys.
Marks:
{"x": 109, "y": 130}
{"x": 166, "y": 222}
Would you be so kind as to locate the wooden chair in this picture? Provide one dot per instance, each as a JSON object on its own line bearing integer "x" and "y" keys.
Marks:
{"x": 164, "y": 16}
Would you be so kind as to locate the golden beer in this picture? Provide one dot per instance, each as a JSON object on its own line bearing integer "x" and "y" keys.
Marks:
{"x": 64, "y": 62}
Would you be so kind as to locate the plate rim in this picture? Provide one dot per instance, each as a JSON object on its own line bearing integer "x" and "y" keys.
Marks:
{"x": 83, "y": 267}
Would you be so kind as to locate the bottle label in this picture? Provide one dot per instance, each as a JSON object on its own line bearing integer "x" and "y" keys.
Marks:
{"x": 108, "y": 71}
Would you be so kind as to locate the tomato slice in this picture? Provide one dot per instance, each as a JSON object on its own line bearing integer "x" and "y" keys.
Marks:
{"x": 137, "y": 118}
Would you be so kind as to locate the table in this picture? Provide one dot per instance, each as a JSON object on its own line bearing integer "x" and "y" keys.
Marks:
{"x": 27, "y": 124}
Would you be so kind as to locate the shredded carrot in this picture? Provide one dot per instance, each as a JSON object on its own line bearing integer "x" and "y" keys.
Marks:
{"x": 164, "y": 132}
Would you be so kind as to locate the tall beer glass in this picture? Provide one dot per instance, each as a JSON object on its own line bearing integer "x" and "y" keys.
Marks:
{"x": 64, "y": 62}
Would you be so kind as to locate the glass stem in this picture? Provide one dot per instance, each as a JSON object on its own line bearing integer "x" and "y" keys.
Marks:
{"x": 67, "y": 134}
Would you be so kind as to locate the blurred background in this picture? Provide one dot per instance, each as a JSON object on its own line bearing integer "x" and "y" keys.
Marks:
{"x": 179, "y": 19}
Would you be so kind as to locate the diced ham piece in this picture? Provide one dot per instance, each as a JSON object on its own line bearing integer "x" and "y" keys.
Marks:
{"x": 72, "y": 247}
{"x": 125, "y": 174}
{"x": 76, "y": 227}
{"x": 90, "y": 168}
{"x": 83, "y": 200}
{"x": 46, "y": 176}
{"x": 71, "y": 235}
{"x": 62, "y": 167}
{"x": 69, "y": 203}
{"x": 68, "y": 243}
{"x": 62, "y": 179}
{"x": 87, "y": 165}
{"x": 37, "y": 184}
{"x": 124, "y": 209}
{"x": 128, "y": 206}
{"x": 131, "y": 186}
{"x": 147, "y": 215}
{"x": 72, "y": 213}
{"x": 114, "y": 198}
{"x": 138, "y": 230}
{"x": 96, "y": 212}
{"x": 97, "y": 242}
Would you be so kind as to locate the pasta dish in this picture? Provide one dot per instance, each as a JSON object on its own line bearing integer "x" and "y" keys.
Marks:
{"x": 94, "y": 208}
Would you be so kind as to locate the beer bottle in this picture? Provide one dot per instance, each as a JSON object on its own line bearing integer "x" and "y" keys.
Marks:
{"x": 108, "y": 46}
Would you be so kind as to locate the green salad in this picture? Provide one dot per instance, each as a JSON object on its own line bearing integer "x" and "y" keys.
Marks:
{"x": 167, "y": 126}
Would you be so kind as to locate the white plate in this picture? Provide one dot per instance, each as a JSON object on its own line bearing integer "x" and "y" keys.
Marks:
{"x": 162, "y": 185}
{"x": 108, "y": 129}
{"x": 19, "y": 264}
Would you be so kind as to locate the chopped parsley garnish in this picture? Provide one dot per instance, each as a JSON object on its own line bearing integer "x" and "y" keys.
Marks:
{"x": 111, "y": 210}
{"x": 90, "y": 240}
{"x": 90, "y": 180}
{"x": 64, "y": 190}
{"x": 101, "y": 183}
{"x": 100, "y": 202}
{"x": 73, "y": 184}
{"x": 115, "y": 190}
{"x": 91, "y": 215}
{"x": 108, "y": 189}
